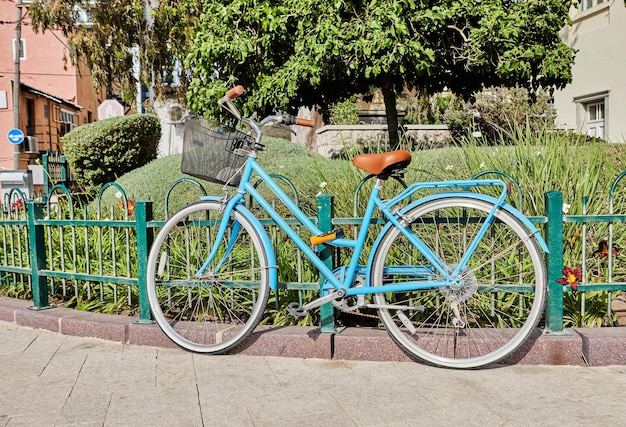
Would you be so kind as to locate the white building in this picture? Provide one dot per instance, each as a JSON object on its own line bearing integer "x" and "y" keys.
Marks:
{"x": 595, "y": 102}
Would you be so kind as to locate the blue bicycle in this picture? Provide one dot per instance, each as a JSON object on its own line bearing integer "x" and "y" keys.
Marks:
{"x": 456, "y": 276}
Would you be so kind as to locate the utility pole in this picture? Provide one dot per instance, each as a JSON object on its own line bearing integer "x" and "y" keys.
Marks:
{"x": 16, "y": 83}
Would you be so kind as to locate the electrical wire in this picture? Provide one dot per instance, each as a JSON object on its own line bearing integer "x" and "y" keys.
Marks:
{"x": 40, "y": 74}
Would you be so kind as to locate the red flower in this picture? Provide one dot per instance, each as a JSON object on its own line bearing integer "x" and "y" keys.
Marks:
{"x": 603, "y": 249}
{"x": 571, "y": 277}
{"x": 130, "y": 207}
{"x": 17, "y": 205}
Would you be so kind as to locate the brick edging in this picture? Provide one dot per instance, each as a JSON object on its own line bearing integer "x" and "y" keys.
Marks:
{"x": 593, "y": 346}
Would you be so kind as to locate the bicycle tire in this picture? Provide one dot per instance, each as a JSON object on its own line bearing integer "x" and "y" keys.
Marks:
{"x": 216, "y": 312}
{"x": 500, "y": 299}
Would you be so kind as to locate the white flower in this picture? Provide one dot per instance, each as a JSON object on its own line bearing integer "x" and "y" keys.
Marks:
{"x": 482, "y": 165}
{"x": 118, "y": 195}
{"x": 539, "y": 153}
{"x": 323, "y": 184}
{"x": 449, "y": 167}
{"x": 566, "y": 207}
{"x": 477, "y": 134}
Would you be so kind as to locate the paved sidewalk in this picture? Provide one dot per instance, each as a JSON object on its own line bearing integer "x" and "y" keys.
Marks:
{"x": 50, "y": 379}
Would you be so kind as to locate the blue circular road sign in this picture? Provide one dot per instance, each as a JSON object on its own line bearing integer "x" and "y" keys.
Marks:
{"x": 15, "y": 136}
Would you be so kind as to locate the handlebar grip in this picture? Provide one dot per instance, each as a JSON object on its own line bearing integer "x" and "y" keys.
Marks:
{"x": 234, "y": 92}
{"x": 305, "y": 122}
{"x": 288, "y": 119}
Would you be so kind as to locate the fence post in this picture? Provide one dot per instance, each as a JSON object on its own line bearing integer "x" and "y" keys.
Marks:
{"x": 37, "y": 247}
{"x": 145, "y": 236}
{"x": 325, "y": 252}
{"x": 554, "y": 237}
{"x": 46, "y": 175}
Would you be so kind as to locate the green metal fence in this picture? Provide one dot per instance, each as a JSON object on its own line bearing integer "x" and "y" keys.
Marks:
{"x": 57, "y": 248}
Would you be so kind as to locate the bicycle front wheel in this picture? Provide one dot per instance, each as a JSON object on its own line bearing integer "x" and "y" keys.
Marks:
{"x": 212, "y": 309}
{"x": 486, "y": 312}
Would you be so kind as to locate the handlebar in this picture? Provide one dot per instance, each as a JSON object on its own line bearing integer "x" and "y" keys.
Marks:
{"x": 227, "y": 103}
{"x": 287, "y": 119}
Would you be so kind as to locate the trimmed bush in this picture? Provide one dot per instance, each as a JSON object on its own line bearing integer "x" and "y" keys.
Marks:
{"x": 101, "y": 152}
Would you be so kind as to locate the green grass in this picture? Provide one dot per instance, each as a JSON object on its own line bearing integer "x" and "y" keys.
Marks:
{"x": 152, "y": 182}
{"x": 539, "y": 163}
{"x": 309, "y": 172}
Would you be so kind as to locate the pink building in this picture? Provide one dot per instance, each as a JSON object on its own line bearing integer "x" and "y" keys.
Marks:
{"x": 54, "y": 96}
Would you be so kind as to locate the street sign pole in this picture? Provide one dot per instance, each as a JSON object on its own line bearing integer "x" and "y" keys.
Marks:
{"x": 16, "y": 83}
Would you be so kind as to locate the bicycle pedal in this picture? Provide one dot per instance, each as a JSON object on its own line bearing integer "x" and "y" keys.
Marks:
{"x": 296, "y": 310}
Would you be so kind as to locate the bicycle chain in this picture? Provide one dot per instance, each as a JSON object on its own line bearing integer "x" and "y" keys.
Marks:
{"x": 357, "y": 312}
{"x": 366, "y": 315}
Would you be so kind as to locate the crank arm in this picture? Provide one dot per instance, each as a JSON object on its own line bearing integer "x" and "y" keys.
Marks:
{"x": 298, "y": 311}
{"x": 325, "y": 299}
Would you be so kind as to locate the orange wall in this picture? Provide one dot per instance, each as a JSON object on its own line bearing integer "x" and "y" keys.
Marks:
{"x": 44, "y": 69}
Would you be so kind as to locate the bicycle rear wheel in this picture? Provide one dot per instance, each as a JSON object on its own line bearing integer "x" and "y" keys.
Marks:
{"x": 492, "y": 309}
{"x": 214, "y": 311}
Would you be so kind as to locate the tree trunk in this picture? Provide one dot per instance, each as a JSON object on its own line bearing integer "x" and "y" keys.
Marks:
{"x": 391, "y": 111}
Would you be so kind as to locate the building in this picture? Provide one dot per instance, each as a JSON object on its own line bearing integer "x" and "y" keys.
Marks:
{"x": 55, "y": 97}
{"x": 595, "y": 102}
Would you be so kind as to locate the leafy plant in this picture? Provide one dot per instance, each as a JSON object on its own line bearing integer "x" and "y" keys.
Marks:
{"x": 497, "y": 114}
{"x": 344, "y": 112}
{"x": 587, "y": 310}
{"x": 102, "y": 151}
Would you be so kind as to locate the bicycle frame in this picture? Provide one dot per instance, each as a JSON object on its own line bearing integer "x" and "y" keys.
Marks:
{"x": 389, "y": 210}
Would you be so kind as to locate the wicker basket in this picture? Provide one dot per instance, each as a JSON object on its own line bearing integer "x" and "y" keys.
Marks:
{"x": 208, "y": 152}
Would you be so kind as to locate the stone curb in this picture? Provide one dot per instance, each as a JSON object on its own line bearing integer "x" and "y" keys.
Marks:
{"x": 591, "y": 346}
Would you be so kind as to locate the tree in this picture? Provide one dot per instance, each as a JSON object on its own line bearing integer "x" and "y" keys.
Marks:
{"x": 307, "y": 52}
{"x": 290, "y": 53}
{"x": 118, "y": 33}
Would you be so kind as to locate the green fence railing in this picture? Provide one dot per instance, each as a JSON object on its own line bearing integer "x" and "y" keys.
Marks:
{"x": 47, "y": 248}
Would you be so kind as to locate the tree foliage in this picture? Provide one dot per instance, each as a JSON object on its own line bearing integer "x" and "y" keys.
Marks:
{"x": 290, "y": 53}
{"x": 119, "y": 35}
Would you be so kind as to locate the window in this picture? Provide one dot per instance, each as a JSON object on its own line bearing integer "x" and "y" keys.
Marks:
{"x": 67, "y": 122}
{"x": 595, "y": 119}
{"x": 82, "y": 16}
{"x": 588, "y": 4}
{"x": 30, "y": 117}
{"x": 592, "y": 114}
{"x": 22, "y": 48}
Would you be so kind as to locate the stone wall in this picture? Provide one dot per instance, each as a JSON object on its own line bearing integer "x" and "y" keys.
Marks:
{"x": 327, "y": 140}
{"x": 331, "y": 140}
